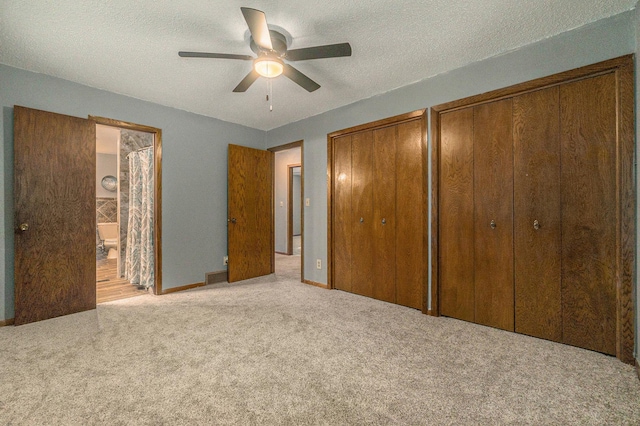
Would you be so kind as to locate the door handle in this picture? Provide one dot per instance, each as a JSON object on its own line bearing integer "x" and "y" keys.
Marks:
{"x": 384, "y": 221}
{"x": 232, "y": 220}
{"x": 493, "y": 224}
{"x": 536, "y": 224}
{"x": 24, "y": 227}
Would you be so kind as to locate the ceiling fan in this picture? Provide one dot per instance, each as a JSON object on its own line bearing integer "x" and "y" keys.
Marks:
{"x": 271, "y": 49}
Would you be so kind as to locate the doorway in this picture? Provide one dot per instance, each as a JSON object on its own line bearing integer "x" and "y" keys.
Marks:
{"x": 128, "y": 248}
{"x": 288, "y": 171}
{"x": 123, "y": 267}
{"x": 294, "y": 226}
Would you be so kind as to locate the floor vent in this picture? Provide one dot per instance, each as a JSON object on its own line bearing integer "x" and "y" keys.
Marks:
{"x": 215, "y": 277}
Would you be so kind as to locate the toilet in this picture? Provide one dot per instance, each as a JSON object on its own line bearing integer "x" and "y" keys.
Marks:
{"x": 108, "y": 233}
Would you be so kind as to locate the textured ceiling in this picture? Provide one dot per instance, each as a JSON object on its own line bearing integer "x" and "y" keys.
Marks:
{"x": 130, "y": 47}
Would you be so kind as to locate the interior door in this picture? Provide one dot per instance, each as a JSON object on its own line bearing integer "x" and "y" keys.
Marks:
{"x": 250, "y": 208}
{"x": 55, "y": 215}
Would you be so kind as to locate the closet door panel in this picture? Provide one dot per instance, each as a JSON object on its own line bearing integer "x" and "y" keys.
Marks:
{"x": 384, "y": 209}
{"x": 536, "y": 132}
{"x": 589, "y": 214}
{"x": 456, "y": 263}
{"x": 410, "y": 215}
{"x": 343, "y": 217}
{"x": 493, "y": 200}
{"x": 362, "y": 213}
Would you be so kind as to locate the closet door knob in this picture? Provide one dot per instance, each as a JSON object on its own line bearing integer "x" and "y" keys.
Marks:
{"x": 536, "y": 224}
{"x": 493, "y": 224}
{"x": 384, "y": 221}
{"x": 362, "y": 220}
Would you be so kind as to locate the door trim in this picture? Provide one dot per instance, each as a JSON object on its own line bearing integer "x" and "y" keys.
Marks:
{"x": 157, "y": 191}
{"x": 626, "y": 232}
{"x": 391, "y": 121}
{"x": 275, "y": 149}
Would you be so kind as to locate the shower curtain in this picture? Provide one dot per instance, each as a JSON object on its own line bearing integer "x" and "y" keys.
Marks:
{"x": 139, "y": 259}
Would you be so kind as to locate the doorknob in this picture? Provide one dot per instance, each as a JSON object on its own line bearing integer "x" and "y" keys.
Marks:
{"x": 536, "y": 224}
{"x": 24, "y": 227}
{"x": 232, "y": 220}
{"x": 362, "y": 220}
{"x": 493, "y": 224}
{"x": 384, "y": 221}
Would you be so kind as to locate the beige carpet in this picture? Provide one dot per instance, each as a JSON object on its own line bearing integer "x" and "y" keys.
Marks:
{"x": 275, "y": 351}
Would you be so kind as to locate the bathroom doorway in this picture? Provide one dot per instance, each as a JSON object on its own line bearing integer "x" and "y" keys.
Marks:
{"x": 127, "y": 207}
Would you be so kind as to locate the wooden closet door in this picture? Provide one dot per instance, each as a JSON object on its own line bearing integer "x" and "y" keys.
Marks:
{"x": 456, "y": 263}
{"x": 342, "y": 216}
{"x": 384, "y": 209}
{"x": 493, "y": 201}
{"x": 410, "y": 215}
{"x": 362, "y": 213}
{"x": 589, "y": 212}
{"x": 537, "y": 248}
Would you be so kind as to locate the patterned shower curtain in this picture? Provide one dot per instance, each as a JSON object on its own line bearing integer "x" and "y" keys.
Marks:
{"x": 139, "y": 267}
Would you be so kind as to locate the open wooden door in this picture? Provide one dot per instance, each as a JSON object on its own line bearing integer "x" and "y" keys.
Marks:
{"x": 55, "y": 215}
{"x": 250, "y": 208}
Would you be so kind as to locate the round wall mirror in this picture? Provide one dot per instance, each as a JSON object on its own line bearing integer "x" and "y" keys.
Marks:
{"x": 109, "y": 183}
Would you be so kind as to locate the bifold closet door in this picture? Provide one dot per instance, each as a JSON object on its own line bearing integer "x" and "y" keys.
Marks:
{"x": 493, "y": 205}
{"x": 545, "y": 172}
{"x": 343, "y": 217}
{"x": 456, "y": 227}
{"x": 537, "y": 226}
{"x": 384, "y": 214}
{"x": 410, "y": 214}
{"x": 588, "y": 115}
{"x": 362, "y": 213}
{"x": 378, "y": 215}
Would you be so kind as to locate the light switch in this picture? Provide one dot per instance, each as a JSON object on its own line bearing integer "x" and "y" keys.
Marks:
{"x": 307, "y": 202}
{"x": 281, "y": 203}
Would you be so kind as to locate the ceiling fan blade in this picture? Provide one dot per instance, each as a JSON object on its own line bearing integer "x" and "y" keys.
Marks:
{"x": 214, "y": 55}
{"x": 318, "y": 52}
{"x": 299, "y": 78}
{"x": 247, "y": 82}
{"x": 257, "y": 22}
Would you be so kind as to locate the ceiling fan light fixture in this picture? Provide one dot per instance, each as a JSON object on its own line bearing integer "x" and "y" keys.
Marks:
{"x": 269, "y": 67}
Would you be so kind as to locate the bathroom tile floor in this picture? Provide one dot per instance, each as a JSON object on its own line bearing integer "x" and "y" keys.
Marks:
{"x": 109, "y": 287}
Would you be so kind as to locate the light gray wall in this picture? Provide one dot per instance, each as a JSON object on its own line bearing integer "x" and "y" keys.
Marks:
{"x": 605, "y": 39}
{"x": 106, "y": 164}
{"x": 296, "y": 204}
{"x": 194, "y": 171}
{"x": 282, "y": 161}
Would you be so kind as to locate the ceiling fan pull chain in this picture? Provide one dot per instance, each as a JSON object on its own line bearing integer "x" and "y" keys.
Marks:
{"x": 270, "y": 95}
